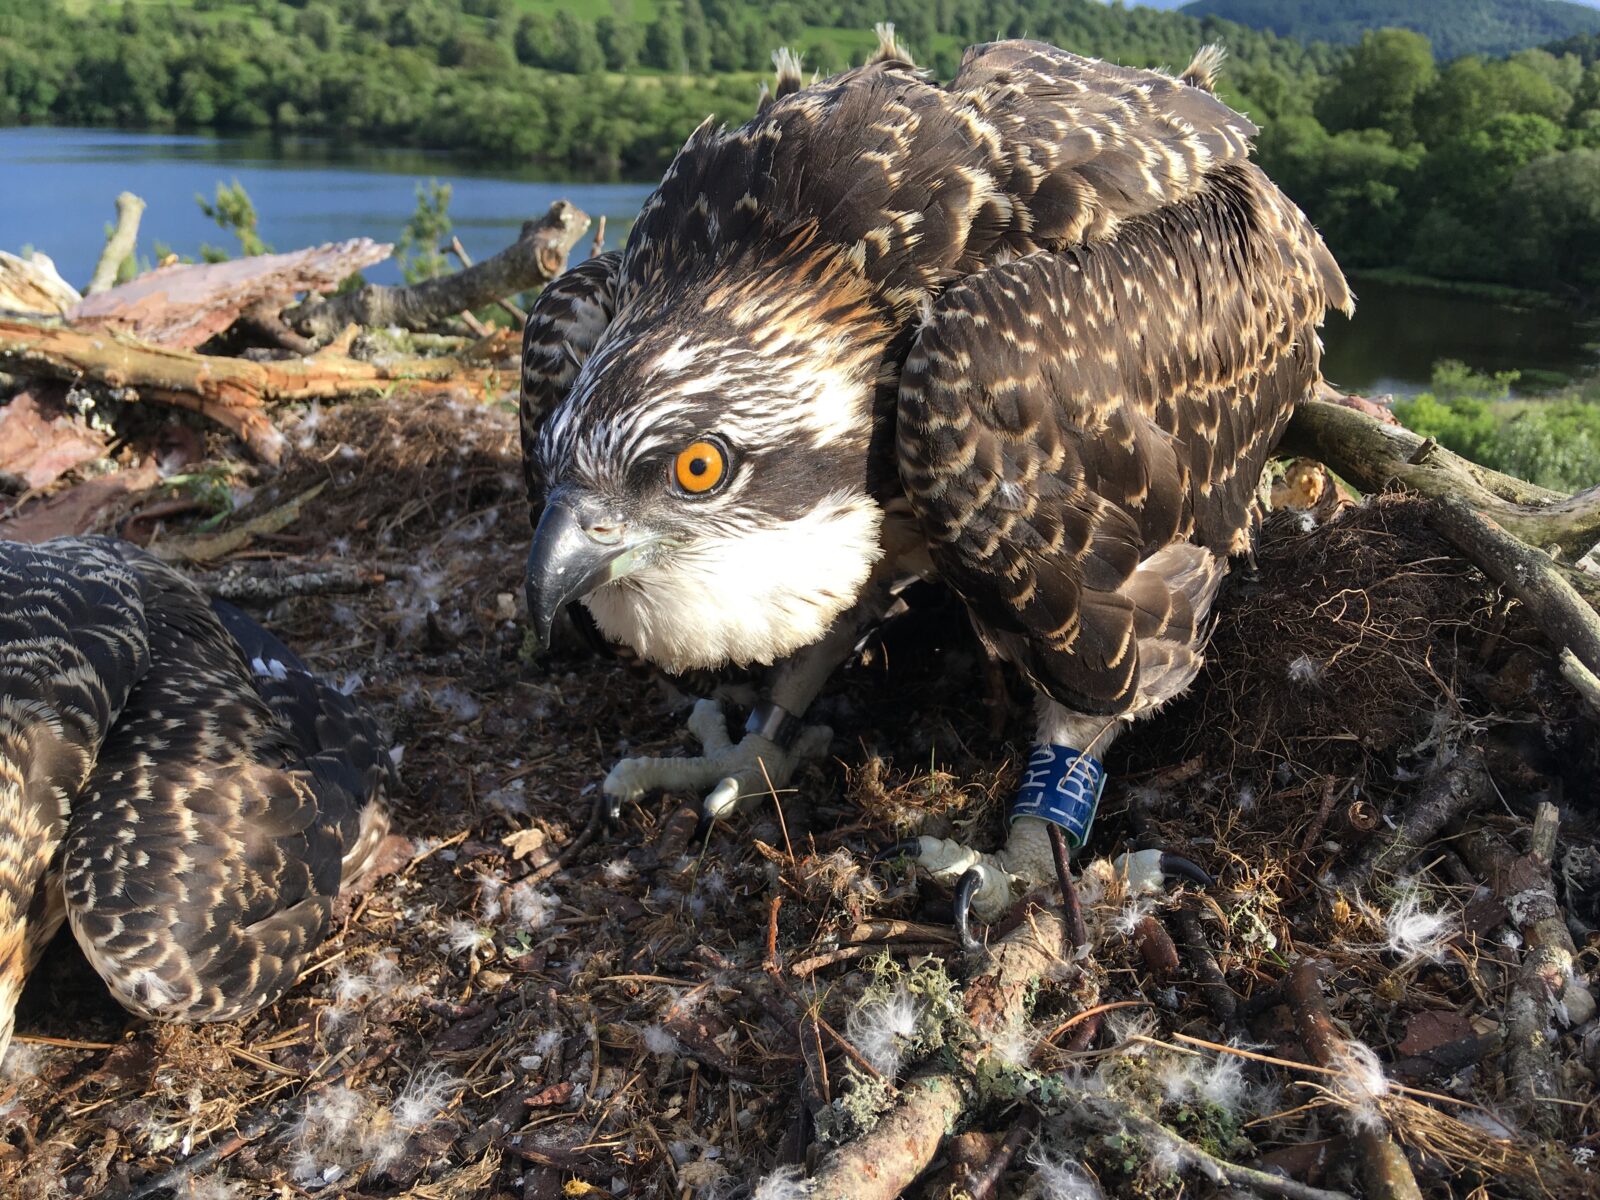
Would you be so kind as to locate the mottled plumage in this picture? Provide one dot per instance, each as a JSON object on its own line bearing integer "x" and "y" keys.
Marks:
{"x": 197, "y": 792}
{"x": 1035, "y": 331}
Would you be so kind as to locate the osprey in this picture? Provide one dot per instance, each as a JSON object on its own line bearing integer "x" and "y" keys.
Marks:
{"x": 1034, "y": 333}
{"x": 173, "y": 782}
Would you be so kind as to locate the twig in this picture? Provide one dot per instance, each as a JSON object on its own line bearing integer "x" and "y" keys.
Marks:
{"x": 262, "y": 587}
{"x": 1384, "y": 1168}
{"x": 1448, "y": 794}
{"x": 573, "y": 848}
{"x": 773, "y": 965}
{"x": 119, "y": 245}
{"x": 1213, "y": 983}
{"x": 1112, "y": 1117}
{"x": 538, "y": 254}
{"x": 598, "y": 246}
{"x": 983, "y": 1183}
{"x": 1584, "y": 681}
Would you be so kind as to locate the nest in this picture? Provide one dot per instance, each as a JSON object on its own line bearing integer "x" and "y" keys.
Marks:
{"x": 522, "y": 1005}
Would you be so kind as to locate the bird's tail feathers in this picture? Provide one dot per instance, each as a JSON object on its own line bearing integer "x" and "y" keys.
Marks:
{"x": 1205, "y": 67}
{"x": 888, "y": 48}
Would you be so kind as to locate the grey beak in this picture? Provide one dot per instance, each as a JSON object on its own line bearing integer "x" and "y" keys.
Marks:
{"x": 570, "y": 557}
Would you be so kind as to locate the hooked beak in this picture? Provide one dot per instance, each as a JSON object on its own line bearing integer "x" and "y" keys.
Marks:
{"x": 576, "y": 549}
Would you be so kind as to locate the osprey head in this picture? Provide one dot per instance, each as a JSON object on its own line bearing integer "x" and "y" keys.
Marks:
{"x": 709, "y": 489}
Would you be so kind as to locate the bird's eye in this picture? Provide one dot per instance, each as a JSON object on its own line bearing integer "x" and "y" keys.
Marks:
{"x": 700, "y": 467}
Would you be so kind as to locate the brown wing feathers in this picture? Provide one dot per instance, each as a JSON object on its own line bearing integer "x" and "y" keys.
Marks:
{"x": 207, "y": 814}
{"x": 1065, "y": 417}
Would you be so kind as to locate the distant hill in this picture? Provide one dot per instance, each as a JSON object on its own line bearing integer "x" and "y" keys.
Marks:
{"x": 1455, "y": 27}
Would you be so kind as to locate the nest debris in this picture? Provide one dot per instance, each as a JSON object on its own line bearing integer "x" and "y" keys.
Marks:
{"x": 492, "y": 1018}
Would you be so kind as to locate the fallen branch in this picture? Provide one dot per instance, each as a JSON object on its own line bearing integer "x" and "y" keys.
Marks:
{"x": 538, "y": 255}
{"x": 881, "y": 1164}
{"x": 231, "y": 391}
{"x": 1448, "y": 794}
{"x": 1384, "y": 1168}
{"x": 119, "y": 245}
{"x": 1547, "y": 991}
{"x": 1374, "y": 456}
{"x": 187, "y": 304}
{"x": 1527, "y": 573}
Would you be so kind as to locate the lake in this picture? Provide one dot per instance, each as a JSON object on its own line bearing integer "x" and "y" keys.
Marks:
{"x": 61, "y": 186}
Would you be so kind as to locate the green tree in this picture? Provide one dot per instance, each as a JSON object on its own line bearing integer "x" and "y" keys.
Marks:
{"x": 1378, "y": 86}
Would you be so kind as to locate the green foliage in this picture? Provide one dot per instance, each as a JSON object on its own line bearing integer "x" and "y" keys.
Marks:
{"x": 1476, "y": 169}
{"x": 1552, "y": 442}
{"x": 234, "y": 213}
{"x": 420, "y": 251}
{"x": 1455, "y": 27}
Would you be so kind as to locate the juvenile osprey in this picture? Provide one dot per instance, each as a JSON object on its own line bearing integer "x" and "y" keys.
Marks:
{"x": 1035, "y": 333}
{"x": 173, "y": 782}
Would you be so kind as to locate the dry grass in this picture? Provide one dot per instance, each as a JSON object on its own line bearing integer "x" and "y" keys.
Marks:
{"x": 468, "y": 1031}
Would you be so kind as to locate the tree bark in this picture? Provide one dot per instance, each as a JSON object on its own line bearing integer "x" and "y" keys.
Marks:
{"x": 1528, "y": 574}
{"x": 231, "y": 391}
{"x": 881, "y": 1164}
{"x": 1374, "y": 456}
{"x": 538, "y": 255}
{"x": 121, "y": 243}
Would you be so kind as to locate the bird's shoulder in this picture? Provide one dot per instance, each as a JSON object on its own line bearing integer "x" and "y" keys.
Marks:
{"x": 1028, "y": 147}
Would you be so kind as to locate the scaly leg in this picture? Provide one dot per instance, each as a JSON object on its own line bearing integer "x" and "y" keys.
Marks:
{"x": 1061, "y": 786}
{"x": 735, "y": 774}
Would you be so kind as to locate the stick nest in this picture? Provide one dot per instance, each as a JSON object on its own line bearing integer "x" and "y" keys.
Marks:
{"x": 487, "y": 1020}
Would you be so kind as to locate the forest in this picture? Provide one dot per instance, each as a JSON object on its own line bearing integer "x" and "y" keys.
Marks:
{"x": 1478, "y": 169}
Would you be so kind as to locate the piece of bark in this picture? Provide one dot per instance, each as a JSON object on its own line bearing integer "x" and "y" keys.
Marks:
{"x": 188, "y": 304}
{"x": 538, "y": 255}
{"x": 119, "y": 245}
{"x": 89, "y": 507}
{"x": 39, "y": 443}
{"x": 231, "y": 391}
{"x": 1374, "y": 456}
{"x": 33, "y": 285}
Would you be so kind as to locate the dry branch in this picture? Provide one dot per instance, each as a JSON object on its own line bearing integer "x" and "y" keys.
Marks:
{"x": 1450, "y": 792}
{"x": 1373, "y": 456}
{"x": 539, "y": 254}
{"x": 1384, "y": 1168}
{"x": 1547, "y": 986}
{"x": 1528, "y": 574}
{"x": 231, "y": 391}
{"x": 883, "y": 1163}
{"x": 186, "y": 304}
{"x": 120, "y": 244}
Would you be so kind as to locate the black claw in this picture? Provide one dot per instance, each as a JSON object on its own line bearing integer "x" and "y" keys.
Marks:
{"x": 702, "y": 829}
{"x": 961, "y": 908}
{"x": 904, "y": 848}
{"x": 1177, "y": 865}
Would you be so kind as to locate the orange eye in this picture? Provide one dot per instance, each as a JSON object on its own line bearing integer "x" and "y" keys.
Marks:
{"x": 700, "y": 467}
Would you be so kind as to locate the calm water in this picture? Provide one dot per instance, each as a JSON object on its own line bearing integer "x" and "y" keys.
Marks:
{"x": 60, "y": 186}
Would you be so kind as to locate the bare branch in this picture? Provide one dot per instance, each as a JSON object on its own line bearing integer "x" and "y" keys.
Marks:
{"x": 538, "y": 255}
